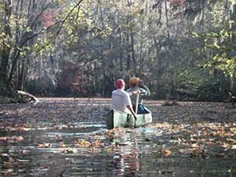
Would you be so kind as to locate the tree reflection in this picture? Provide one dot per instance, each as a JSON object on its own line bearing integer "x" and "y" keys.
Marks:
{"x": 125, "y": 156}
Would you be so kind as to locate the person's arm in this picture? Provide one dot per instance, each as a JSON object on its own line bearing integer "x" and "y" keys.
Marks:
{"x": 129, "y": 105}
{"x": 134, "y": 92}
{"x": 144, "y": 89}
{"x": 132, "y": 111}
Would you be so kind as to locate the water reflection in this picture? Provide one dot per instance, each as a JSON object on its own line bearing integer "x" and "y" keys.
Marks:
{"x": 129, "y": 153}
{"x": 125, "y": 156}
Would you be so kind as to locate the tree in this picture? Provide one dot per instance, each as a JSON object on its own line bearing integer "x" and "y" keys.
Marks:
{"x": 219, "y": 44}
{"x": 28, "y": 29}
{"x": 48, "y": 41}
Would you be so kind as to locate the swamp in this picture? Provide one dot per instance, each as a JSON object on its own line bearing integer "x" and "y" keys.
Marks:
{"x": 67, "y": 56}
{"x": 67, "y": 137}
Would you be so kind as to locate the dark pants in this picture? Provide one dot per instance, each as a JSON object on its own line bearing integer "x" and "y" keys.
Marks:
{"x": 141, "y": 108}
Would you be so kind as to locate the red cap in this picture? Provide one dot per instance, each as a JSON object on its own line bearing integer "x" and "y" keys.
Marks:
{"x": 120, "y": 83}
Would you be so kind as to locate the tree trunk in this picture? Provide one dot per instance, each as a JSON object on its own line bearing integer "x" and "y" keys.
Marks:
{"x": 6, "y": 88}
{"x": 233, "y": 38}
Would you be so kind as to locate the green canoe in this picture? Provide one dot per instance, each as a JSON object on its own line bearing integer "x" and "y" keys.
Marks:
{"x": 120, "y": 119}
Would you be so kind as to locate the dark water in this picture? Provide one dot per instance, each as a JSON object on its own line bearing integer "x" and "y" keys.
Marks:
{"x": 127, "y": 155}
{"x": 49, "y": 149}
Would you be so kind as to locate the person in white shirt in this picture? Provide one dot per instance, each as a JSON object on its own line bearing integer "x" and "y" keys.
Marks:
{"x": 121, "y": 99}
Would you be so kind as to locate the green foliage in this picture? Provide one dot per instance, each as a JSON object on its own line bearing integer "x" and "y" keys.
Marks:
{"x": 221, "y": 49}
{"x": 215, "y": 88}
{"x": 173, "y": 50}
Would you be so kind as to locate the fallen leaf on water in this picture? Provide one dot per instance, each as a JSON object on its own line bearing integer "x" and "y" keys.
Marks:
{"x": 95, "y": 150}
{"x": 44, "y": 145}
{"x": 61, "y": 144}
{"x": 233, "y": 146}
{"x": 82, "y": 143}
{"x": 96, "y": 143}
{"x": 5, "y": 155}
{"x": 14, "y": 138}
{"x": 68, "y": 150}
{"x": 233, "y": 129}
{"x": 23, "y": 129}
{"x": 19, "y": 138}
{"x": 3, "y": 138}
{"x": 194, "y": 145}
{"x": 166, "y": 152}
{"x": 195, "y": 152}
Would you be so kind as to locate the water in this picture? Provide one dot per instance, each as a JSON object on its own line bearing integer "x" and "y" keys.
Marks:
{"x": 54, "y": 153}
{"x": 48, "y": 146}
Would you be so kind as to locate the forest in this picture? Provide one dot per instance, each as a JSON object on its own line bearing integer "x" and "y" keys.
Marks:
{"x": 67, "y": 55}
{"x": 181, "y": 49}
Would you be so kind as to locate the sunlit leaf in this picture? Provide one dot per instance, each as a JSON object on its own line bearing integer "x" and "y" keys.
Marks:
{"x": 166, "y": 152}
{"x": 233, "y": 146}
{"x": 44, "y": 145}
{"x": 97, "y": 143}
{"x": 82, "y": 143}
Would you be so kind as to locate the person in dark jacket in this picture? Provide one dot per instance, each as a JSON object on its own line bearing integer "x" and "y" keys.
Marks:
{"x": 137, "y": 86}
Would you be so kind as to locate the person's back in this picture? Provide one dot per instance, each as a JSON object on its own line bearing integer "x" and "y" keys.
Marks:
{"x": 120, "y": 100}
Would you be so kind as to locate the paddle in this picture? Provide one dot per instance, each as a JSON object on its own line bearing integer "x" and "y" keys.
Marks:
{"x": 136, "y": 108}
{"x": 136, "y": 104}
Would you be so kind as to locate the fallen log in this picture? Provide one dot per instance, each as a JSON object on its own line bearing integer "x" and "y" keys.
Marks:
{"x": 27, "y": 95}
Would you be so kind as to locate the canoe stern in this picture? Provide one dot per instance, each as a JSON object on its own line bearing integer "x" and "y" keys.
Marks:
{"x": 143, "y": 119}
{"x": 119, "y": 119}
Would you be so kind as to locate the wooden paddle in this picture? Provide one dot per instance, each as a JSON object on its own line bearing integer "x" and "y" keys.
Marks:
{"x": 136, "y": 104}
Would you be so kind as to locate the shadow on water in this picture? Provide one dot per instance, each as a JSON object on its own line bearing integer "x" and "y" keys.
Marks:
{"x": 128, "y": 152}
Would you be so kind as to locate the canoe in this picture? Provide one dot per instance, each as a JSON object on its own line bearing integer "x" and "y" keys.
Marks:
{"x": 116, "y": 118}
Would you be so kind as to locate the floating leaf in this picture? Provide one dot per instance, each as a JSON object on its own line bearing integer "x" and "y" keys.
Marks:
{"x": 97, "y": 143}
{"x": 233, "y": 129}
{"x": 166, "y": 152}
{"x": 233, "y": 146}
{"x": 82, "y": 143}
{"x": 44, "y": 145}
